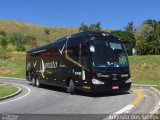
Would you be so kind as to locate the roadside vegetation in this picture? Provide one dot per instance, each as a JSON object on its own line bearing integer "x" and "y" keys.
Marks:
{"x": 42, "y": 34}
{"x": 6, "y": 90}
{"x": 21, "y": 36}
{"x": 14, "y": 66}
{"x": 145, "y": 69}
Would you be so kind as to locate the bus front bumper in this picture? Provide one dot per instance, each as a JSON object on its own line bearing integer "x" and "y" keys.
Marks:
{"x": 107, "y": 88}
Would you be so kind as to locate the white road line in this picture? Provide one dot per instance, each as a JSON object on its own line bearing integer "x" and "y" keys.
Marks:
{"x": 1, "y": 77}
{"x": 144, "y": 85}
{"x": 125, "y": 109}
{"x": 28, "y": 89}
{"x": 157, "y": 107}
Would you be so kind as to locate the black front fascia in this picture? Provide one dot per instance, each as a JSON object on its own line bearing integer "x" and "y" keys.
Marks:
{"x": 111, "y": 74}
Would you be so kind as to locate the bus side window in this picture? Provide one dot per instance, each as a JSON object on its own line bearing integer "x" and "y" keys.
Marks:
{"x": 85, "y": 56}
{"x": 73, "y": 48}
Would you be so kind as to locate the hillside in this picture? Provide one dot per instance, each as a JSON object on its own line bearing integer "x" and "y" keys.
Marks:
{"x": 38, "y": 31}
{"x": 10, "y": 26}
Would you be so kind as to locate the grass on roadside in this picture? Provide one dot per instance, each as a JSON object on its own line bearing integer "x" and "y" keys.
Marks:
{"x": 158, "y": 87}
{"x": 145, "y": 69}
{"x": 6, "y": 90}
{"x": 13, "y": 67}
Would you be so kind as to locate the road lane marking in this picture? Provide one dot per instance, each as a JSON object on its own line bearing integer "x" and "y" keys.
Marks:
{"x": 138, "y": 98}
{"x": 144, "y": 85}
{"x": 133, "y": 103}
{"x": 28, "y": 89}
{"x": 127, "y": 108}
{"x": 157, "y": 107}
{"x": 1, "y": 77}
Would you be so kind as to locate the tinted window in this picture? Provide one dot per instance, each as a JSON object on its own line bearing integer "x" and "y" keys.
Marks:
{"x": 73, "y": 47}
{"x": 108, "y": 52}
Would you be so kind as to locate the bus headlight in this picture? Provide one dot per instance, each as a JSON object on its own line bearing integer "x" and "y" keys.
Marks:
{"x": 97, "y": 82}
{"x": 128, "y": 81}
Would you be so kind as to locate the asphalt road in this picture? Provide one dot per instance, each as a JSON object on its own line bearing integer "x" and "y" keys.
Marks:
{"x": 46, "y": 101}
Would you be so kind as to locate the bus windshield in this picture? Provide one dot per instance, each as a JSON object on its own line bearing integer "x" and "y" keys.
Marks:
{"x": 108, "y": 52}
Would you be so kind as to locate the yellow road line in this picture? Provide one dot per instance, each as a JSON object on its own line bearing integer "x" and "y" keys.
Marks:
{"x": 127, "y": 108}
{"x": 138, "y": 98}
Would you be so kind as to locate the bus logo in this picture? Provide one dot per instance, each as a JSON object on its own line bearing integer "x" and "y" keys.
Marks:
{"x": 44, "y": 66}
{"x": 101, "y": 75}
{"x": 61, "y": 50}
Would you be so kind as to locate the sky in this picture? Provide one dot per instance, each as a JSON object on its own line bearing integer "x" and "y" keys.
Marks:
{"x": 113, "y": 14}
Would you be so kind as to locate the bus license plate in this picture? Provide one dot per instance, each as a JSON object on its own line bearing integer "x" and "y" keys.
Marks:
{"x": 115, "y": 87}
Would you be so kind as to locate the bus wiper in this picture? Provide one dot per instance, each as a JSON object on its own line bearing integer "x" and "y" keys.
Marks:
{"x": 109, "y": 64}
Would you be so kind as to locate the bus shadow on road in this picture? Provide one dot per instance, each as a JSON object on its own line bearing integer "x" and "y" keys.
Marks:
{"x": 109, "y": 94}
{"x": 85, "y": 94}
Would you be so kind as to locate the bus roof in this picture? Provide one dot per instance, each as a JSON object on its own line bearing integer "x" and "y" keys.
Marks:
{"x": 91, "y": 33}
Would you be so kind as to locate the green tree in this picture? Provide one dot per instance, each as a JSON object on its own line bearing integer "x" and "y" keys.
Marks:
{"x": 96, "y": 26}
{"x": 123, "y": 35}
{"x": 3, "y": 39}
{"x": 3, "y": 42}
{"x": 127, "y": 37}
{"x": 130, "y": 27}
{"x": 148, "y": 37}
{"x": 83, "y": 27}
{"x": 18, "y": 39}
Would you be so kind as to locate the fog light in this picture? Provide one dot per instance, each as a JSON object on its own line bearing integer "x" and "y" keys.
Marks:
{"x": 128, "y": 81}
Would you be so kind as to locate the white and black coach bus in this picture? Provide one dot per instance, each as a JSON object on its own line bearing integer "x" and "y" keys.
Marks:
{"x": 92, "y": 61}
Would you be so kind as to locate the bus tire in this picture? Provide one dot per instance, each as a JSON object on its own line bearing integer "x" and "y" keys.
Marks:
{"x": 33, "y": 81}
{"x": 71, "y": 87}
{"x": 37, "y": 82}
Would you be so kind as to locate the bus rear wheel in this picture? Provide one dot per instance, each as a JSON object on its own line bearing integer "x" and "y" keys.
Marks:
{"x": 71, "y": 87}
{"x": 37, "y": 82}
{"x": 33, "y": 81}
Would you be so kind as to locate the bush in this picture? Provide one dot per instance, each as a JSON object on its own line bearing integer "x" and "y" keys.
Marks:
{"x": 18, "y": 39}
{"x": 3, "y": 41}
{"x": 5, "y": 54}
